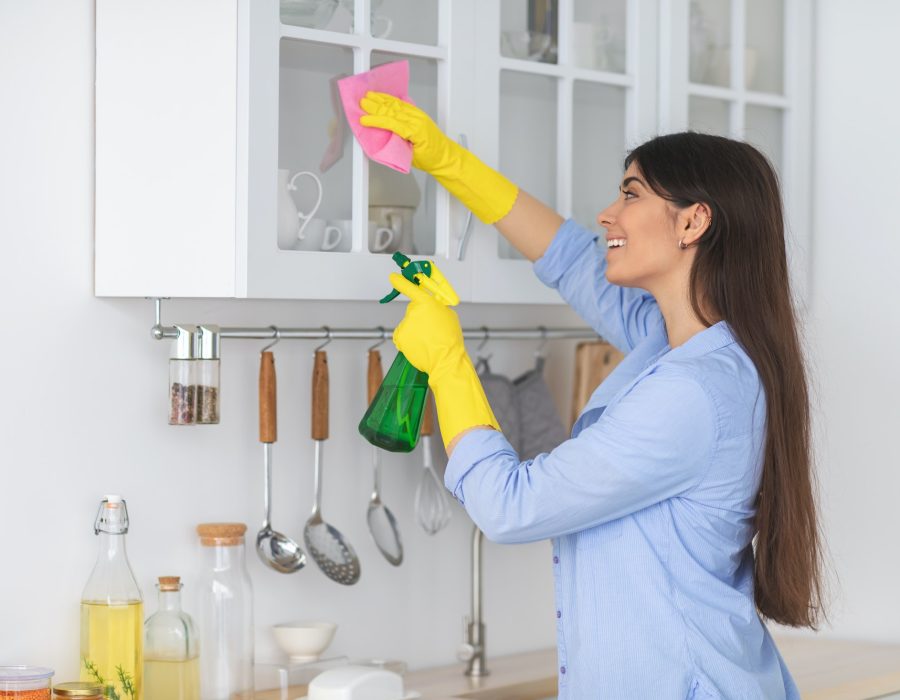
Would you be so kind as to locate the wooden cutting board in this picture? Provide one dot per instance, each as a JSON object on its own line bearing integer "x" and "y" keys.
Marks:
{"x": 594, "y": 360}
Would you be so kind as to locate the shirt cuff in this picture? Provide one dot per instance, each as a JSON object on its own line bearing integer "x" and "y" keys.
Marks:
{"x": 472, "y": 448}
{"x": 568, "y": 245}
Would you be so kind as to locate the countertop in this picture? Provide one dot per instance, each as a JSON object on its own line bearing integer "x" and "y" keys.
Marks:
{"x": 824, "y": 670}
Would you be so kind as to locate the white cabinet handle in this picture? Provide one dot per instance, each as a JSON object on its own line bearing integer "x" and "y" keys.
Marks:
{"x": 467, "y": 228}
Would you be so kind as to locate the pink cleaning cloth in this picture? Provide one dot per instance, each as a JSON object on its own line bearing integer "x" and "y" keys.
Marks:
{"x": 380, "y": 145}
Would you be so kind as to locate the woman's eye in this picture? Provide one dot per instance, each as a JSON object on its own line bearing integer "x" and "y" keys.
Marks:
{"x": 628, "y": 194}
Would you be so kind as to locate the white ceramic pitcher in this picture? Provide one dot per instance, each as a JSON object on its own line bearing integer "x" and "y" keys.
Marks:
{"x": 291, "y": 221}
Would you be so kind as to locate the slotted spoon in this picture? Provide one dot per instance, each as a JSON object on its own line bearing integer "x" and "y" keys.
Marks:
{"x": 328, "y": 547}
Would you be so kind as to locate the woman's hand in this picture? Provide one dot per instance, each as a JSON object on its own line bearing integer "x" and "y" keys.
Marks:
{"x": 483, "y": 190}
{"x": 432, "y": 340}
{"x": 429, "y": 333}
{"x": 432, "y": 150}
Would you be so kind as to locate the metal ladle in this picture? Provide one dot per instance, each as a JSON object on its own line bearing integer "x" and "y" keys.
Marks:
{"x": 276, "y": 550}
{"x": 382, "y": 523}
{"x": 328, "y": 547}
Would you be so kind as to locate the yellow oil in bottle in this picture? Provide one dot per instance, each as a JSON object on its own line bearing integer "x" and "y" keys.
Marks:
{"x": 167, "y": 679}
{"x": 112, "y": 646}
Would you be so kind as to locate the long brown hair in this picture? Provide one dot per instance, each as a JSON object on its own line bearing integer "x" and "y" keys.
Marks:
{"x": 740, "y": 272}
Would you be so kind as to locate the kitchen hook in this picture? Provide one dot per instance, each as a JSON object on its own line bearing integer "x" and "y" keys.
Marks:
{"x": 481, "y": 360}
{"x": 379, "y": 342}
{"x": 327, "y": 339}
{"x": 539, "y": 351}
{"x": 277, "y": 336}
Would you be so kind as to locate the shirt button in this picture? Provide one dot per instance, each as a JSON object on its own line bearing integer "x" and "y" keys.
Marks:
{"x": 556, "y": 560}
{"x": 562, "y": 670}
{"x": 558, "y": 614}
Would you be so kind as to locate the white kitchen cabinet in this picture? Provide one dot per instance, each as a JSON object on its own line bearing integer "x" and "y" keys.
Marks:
{"x": 205, "y": 110}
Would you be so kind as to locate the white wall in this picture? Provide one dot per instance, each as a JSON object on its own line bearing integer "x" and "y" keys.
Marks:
{"x": 856, "y": 324}
{"x": 84, "y": 413}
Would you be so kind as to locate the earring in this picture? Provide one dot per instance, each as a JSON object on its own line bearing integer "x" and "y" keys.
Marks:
{"x": 682, "y": 245}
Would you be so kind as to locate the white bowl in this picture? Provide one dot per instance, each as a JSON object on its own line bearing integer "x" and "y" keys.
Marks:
{"x": 304, "y": 641}
{"x": 526, "y": 45}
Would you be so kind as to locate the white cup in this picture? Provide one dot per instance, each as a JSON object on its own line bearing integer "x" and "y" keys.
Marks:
{"x": 380, "y": 238}
{"x": 338, "y": 235}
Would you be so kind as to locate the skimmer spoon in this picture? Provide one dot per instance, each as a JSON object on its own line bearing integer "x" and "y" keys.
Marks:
{"x": 432, "y": 509}
{"x": 328, "y": 547}
{"x": 382, "y": 523}
{"x": 276, "y": 550}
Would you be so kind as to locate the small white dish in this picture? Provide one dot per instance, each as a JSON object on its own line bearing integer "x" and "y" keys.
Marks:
{"x": 304, "y": 641}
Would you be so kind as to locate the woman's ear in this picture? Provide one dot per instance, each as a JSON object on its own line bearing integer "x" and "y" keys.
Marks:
{"x": 695, "y": 221}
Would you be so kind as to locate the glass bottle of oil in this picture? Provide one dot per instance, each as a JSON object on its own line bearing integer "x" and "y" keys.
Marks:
{"x": 112, "y": 611}
{"x": 171, "y": 668}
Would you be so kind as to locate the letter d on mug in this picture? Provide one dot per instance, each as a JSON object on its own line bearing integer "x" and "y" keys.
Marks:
{"x": 338, "y": 235}
{"x": 380, "y": 238}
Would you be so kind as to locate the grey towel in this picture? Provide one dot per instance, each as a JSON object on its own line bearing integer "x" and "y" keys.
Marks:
{"x": 524, "y": 408}
{"x": 540, "y": 425}
{"x": 501, "y": 394}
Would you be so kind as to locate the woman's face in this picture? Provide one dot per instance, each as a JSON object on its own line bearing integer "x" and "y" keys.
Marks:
{"x": 641, "y": 237}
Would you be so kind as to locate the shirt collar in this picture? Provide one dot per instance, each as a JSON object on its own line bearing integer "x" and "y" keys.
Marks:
{"x": 708, "y": 340}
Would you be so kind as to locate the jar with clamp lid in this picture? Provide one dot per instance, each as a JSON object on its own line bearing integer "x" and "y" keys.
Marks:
{"x": 82, "y": 691}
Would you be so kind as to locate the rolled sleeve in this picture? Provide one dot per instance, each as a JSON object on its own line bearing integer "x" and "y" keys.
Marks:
{"x": 657, "y": 442}
{"x": 575, "y": 266}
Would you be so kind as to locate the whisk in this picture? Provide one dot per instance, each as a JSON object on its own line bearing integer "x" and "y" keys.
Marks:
{"x": 432, "y": 508}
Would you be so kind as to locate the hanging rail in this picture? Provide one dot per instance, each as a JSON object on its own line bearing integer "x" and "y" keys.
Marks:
{"x": 160, "y": 332}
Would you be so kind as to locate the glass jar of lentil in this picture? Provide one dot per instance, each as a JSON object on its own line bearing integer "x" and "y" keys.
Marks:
{"x": 25, "y": 682}
{"x": 82, "y": 691}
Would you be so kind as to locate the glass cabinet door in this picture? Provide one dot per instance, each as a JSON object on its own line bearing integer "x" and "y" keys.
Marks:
{"x": 741, "y": 68}
{"x": 316, "y": 199}
{"x": 599, "y": 130}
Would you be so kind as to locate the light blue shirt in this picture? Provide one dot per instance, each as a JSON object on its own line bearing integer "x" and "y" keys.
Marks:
{"x": 650, "y": 504}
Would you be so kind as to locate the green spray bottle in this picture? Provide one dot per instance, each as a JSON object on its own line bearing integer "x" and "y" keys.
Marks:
{"x": 394, "y": 417}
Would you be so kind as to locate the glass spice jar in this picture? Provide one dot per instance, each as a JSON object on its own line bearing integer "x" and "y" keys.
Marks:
{"x": 206, "y": 375}
{"x": 82, "y": 691}
{"x": 25, "y": 682}
{"x": 182, "y": 382}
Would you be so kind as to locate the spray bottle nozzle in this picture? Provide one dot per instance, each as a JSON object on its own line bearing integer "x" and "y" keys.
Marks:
{"x": 423, "y": 273}
{"x": 410, "y": 269}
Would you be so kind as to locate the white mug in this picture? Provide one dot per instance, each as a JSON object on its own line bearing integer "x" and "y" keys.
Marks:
{"x": 338, "y": 235}
{"x": 380, "y": 238}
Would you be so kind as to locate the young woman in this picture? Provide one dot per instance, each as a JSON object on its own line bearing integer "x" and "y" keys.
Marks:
{"x": 695, "y": 446}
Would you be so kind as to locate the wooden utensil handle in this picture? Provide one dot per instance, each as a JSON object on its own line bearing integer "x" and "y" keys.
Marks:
{"x": 375, "y": 374}
{"x": 320, "y": 396}
{"x": 428, "y": 418}
{"x": 267, "y": 402}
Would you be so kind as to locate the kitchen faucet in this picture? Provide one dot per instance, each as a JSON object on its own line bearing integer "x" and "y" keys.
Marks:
{"x": 472, "y": 650}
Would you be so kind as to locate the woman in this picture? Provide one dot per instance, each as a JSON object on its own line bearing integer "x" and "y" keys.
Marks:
{"x": 694, "y": 446}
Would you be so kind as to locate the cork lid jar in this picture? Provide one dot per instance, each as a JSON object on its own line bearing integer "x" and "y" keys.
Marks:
{"x": 221, "y": 534}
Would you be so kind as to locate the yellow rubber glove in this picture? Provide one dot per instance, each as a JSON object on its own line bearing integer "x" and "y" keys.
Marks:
{"x": 483, "y": 190}
{"x": 431, "y": 338}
